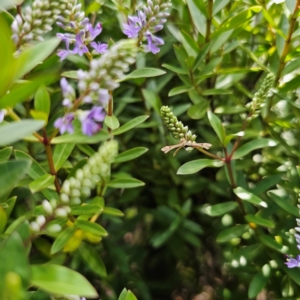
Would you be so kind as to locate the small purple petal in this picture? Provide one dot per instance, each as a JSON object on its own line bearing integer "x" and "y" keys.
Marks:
{"x": 293, "y": 262}
{"x": 2, "y": 115}
{"x": 80, "y": 47}
{"x": 99, "y": 47}
{"x": 131, "y": 30}
{"x": 94, "y": 32}
{"x": 65, "y": 123}
{"x": 64, "y": 85}
{"x": 97, "y": 114}
{"x": 89, "y": 127}
{"x": 67, "y": 103}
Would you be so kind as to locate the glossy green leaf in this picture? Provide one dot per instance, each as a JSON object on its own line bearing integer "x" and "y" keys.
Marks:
{"x": 125, "y": 183}
{"x": 15, "y": 131}
{"x": 35, "y": 55}
{"x": 5, "y": 154}
{"x": 143, "y": 73}
{"x": 253, "y": 145}
{"x": 231, "y": 233}
{"x": 174, "y": 69}
{"x": 220, "y": 209}
{"x": 271, "y": 243}
{"x": 131, "y": 124}
{"x": 42, "y": 100}
{"x": 229, "y": 137}
{"x": 248, "y": 252}
{"x": 283, "y": 202}
{"x": 130, "y": 154}
{"x": 216, "y": 125}
{"x": 62, "y": 239}
{"x": 259, "y": 221}
{"x": 93, "y": 259}
{"x": 80, "y": 138}
{"x": 41, "y": 183}
{"x": 198, "y": 17}
{"x": 88, "y": 209}
{"x": 70, "y": 74}
{"x": 198, "y": 110}
{"x": 3, "y": 219}
{"x": 111, "y": 122}
{"x": 195, "y": 166}
{"x": 257, "y": 284}
{"x": 61, "y": 153}
{"x": 201, "y": 56}
{"x": 266, "y": 183}
{"x": 152, "y": 99}
{"x": 62, "y": 280}
{"x": 10, "y": 205}
{"x": 180, "y": 90}
{"x": 39, "y": 115}
{"x": 88, "y": 226}
{"x": 113, "y": 211}
{"x": 212, "y": 92}
{"x": 219, "y": 5}
{"x": 248, "y": 196}
{"x": 11, "y": 172}
{"x": 189, "y": 43}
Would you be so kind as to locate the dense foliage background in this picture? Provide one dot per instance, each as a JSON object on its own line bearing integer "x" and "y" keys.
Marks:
{"x": 215, "y": 228}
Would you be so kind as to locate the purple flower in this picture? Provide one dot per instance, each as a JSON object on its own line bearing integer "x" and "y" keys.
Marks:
{"x": 89, "y": 125}
{"x": 153, "y": 42}
{"x": 104, "y": 96}
{"x": 293, "y": 262}
{"x": 99, "y": 47}
{"x": 65, "y": 123}
{"x": 80, "y": 47}
{"x": 131, "y": 30}
{"x": 94, "y": 32}
{"x": 2, "y": 114}
{"x": 64, "y": 85}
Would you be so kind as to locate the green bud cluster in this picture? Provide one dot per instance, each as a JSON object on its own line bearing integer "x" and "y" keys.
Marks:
{"x": 38, "y": 19}
{"x": 176, "y": 127}
{"x": 77, "y": 188}
{"x": 260, "y": 96}
{"x": 97, "y": 169}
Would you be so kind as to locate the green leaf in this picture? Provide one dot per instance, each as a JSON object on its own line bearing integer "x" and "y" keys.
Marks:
{"x": 198, "y": 110}
{"x": 80, "y": 138}
{"x": 212, "y": 92}
{"x": 229, "y": 137}
{"x": 179, "y": 90}
{"x": 253, "y": 145}
{"x": 143, "y": 73}
{"x": 130, "y": 154}
{"x": 111, "y": 122}
{"x": 41, "y": 183}
{"x": 39, "y": 115}
{"x": 201, "y": 56}
{"x": 248, "y": 196}
{"x": 259, "y": 221}
{"x": 15, "y": 131}
{"x": 88, "y": 226}
{"x": 130, "y": 296}
{"x": 271, "y": 243}
{"x": 293, "y": 274}
{"x": 197, "y": 16}
{"x": 248, "y": 252}
{"x": 131, "y": 124}
{"x": 61, "y": 280}
{"x": 220, "y": 209}
{"x": 8, "y": 4}
{"x": 61, "y": 154}
{"x": 195, "y": 166}
{"x": 257, "y": 284}
{"x": 174, "y": 69}
{"x": 282, "y": 201}
{"x": 11, "y": 204}
{"x": 93, "y": 259}
{"x": 70, "y": 74}
{"x": 11, "y": 172}
{"x": 231, "y": 233}
{"x": 123, "y": 294}
{"x": 5, "y": 154}
{"x": 266, "y": 183}
{"x": 35, "y": 55}
{"x": 219, "y": 5}
{"x": 42, "y": 100}
{"x": 113, "y": 211}
{"x": 89, "y": 209}
{"x": 125, "y": 183}
{"x": 152, "y": 99}
{"x": 3, "y": 219}
{"x": 62, "y": 239}
{"x": 217, "y": 126}
{"x": 189, "y": 43}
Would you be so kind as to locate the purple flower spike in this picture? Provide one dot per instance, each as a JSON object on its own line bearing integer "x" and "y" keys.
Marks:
{"x": 89, "y": 127}
{"x": 293, "y": 262}
{"x": 94, "y": 32}
{"x": 153, "y": 42}
{"x": 64, "y": 85}
{"x": 97, "y": 114}
{"x": 80, "y": 47}
{"x": 65, "y": 123}
{"x": 99, "y": 47}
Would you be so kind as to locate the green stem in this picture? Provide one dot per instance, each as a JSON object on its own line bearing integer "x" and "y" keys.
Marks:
{"x": 48, "y": 149}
